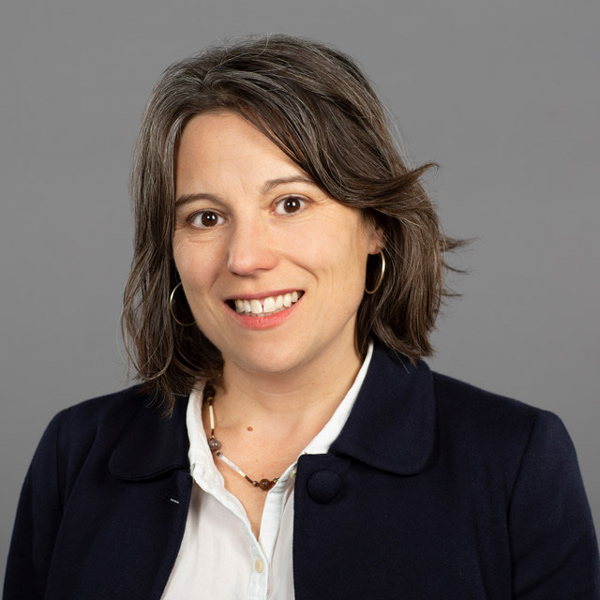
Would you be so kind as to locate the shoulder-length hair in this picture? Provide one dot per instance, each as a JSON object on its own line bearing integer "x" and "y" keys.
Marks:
{"x": 316, "y": 105}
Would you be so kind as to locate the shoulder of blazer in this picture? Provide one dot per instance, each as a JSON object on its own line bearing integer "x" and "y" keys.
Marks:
{"x": 496, "y": 425}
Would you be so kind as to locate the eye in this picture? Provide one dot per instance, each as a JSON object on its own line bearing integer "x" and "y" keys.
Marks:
{"x": 290, "y": 205}
{"x": 205, "y": 219}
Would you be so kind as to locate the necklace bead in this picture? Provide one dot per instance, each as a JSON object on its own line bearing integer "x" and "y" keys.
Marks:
{"x": 266, "y": 484}
{"x": 215, "y": 445}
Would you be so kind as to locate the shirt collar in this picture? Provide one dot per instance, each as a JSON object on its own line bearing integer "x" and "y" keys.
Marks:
{"x": 321, "y": 443}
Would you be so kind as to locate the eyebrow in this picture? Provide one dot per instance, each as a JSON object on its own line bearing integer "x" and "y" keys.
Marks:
{"x": 273, "y": 183}
{"x": 267, "y": 187}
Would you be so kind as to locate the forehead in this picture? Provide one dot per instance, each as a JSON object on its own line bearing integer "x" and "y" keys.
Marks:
{"x": 225, "y": 145}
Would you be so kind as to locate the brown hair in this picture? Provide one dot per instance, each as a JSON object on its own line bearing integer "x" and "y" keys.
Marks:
{"x": 318, "y": 107}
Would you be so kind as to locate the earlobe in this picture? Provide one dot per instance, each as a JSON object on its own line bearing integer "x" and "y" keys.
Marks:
{"x": 376, "y": 244}
{"x": 375, "y": 235}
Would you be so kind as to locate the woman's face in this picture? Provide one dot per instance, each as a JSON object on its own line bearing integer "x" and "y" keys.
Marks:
{"x": 273, "y": 268}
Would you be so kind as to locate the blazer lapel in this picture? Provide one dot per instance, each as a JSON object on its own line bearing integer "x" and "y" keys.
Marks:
{"x": 152, "y": 444}
{"x": 392, "y": 424}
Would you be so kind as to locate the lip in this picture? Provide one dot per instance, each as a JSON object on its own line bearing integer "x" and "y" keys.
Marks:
{"x": 266, "y": 322}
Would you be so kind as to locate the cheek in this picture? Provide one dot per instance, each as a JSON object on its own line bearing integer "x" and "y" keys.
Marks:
{"x": 354, "y": 265}
{"x": 343, "y": 255}
{"x": 196, "y": 265}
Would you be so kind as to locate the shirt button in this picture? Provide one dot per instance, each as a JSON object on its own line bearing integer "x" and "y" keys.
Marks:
{"x": 293, "y": 472}
{"x": 258, "y": 565}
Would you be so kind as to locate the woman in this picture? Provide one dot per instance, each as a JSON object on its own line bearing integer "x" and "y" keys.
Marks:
{"x": 287, "y": 440}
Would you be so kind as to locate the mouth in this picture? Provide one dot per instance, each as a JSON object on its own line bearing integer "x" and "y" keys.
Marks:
{"x": 264, "y": 307}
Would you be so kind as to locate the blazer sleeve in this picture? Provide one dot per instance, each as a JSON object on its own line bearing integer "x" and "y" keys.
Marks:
{"x": 554, "y": 548}
{"x": 37, "y": 522}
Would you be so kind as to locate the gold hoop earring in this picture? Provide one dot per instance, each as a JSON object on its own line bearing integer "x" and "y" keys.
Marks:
{"x": 171, "y": 297}
{"x": 380, "y": 278}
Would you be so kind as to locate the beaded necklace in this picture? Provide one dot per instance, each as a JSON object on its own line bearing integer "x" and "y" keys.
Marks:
{"x": 215, "y": 445}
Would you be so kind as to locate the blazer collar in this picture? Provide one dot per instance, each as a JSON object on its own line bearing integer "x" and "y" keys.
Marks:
{"x": 392, "y": 424}
{"x": 152, "y": 445}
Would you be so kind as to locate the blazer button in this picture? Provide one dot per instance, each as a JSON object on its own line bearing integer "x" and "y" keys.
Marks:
{"x": 323, "y": 486}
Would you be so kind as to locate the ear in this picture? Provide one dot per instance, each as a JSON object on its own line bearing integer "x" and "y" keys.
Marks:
{"x": 375, "y": 242}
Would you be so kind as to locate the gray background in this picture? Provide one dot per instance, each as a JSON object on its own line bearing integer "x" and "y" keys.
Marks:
{"x": 504, "y": 95}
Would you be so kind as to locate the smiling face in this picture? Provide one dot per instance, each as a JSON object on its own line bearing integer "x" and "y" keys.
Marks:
{"x": 273, "y": 269}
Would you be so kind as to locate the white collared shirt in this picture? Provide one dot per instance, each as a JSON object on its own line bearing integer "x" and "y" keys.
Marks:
{"x": 219, "y": 554}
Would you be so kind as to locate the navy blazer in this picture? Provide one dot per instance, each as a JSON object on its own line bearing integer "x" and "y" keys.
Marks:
{"x": 434, "y": 489}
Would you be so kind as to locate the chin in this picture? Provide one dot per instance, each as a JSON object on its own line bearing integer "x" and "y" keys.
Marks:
{"x": 270, "y": 359}
{"x": 277, "y": 366}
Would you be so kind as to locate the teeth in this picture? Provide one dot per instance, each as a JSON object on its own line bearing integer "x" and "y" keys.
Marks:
{"x": 267, "y": 306}
{"x": 256, "y": 307}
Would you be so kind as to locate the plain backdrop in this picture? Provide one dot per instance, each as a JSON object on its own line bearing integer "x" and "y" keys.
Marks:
{"x": 505, "y": 95}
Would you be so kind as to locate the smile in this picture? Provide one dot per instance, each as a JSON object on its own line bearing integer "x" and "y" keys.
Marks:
{"x": 265, "y": 306}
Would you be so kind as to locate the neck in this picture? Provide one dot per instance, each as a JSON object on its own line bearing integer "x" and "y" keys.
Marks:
{"x": 308, "y": 396}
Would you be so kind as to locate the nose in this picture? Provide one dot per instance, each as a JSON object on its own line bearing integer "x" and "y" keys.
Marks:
{"x": 251, "y": 249}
